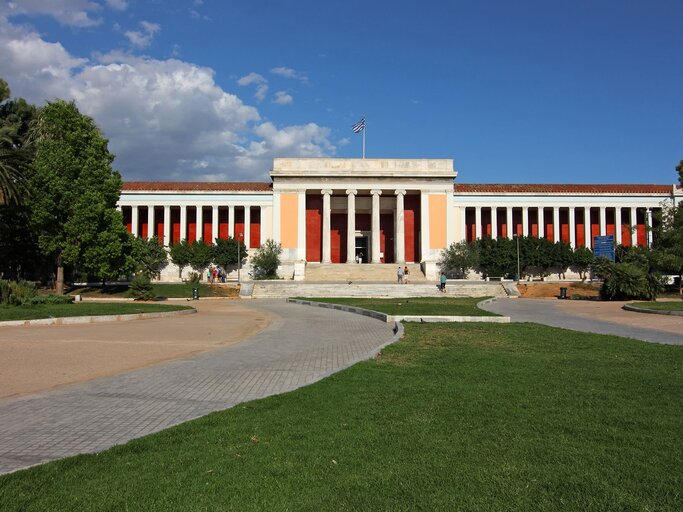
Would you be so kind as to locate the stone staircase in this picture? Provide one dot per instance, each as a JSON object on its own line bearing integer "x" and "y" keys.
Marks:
{"x": 284, "y": 289}
{"x": 360, "y": 273}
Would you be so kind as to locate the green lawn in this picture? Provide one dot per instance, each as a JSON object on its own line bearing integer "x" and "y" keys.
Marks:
{"x": 170, "y": 290}
{"x": 466, "y": 306}
{"x": 81, "y": 309}
{"x": 476, "y": 417}
{"x": 659, "y": 306}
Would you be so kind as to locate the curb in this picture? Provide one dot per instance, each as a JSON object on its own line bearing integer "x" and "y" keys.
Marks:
{"x": 628, "y": 307}
{"x": 405, "y": 318}
{"x": 73, "y": 320}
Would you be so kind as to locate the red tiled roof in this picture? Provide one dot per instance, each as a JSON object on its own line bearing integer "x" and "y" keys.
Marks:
{"x": 184, "y": 186}
{"x": 472, "y": 188}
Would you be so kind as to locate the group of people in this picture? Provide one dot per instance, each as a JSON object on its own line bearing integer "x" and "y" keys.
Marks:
{"x": 215, "y": 275}
{"x": 402, "y": 274}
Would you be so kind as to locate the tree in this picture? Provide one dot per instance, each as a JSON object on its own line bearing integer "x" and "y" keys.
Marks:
{"x": 266, "y": 261}
{"x": 225, "y": 251}
{"x": 497, "y": 257}
{"x": 582, "y": 260}
{"x": 148, "y": 256}
{"x": 679, "y": 168}
{"x": 201, "y": 255}
{"x": 667, "y": 251}
{"x": 181, "y": 254}
{"x": 458, "y": 259}
{"x": 562, "y": 257}
{"x": 75, "y": 190}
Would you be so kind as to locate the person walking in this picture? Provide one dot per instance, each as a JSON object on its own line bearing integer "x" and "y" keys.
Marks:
{"x": 399, "y": 274}
{"x": 443, "y": 283}
{"x": 405, "y": 274}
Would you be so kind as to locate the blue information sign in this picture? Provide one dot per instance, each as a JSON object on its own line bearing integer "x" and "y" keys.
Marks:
{"x": 603, "y": 247}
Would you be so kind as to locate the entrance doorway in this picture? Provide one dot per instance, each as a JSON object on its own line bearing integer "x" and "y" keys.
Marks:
{"x": 362, "y": 248}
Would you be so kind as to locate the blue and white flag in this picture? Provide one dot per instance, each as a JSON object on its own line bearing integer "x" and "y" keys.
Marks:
{"x": 359, "y": 126}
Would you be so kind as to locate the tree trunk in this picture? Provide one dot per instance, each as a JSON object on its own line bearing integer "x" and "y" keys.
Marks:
{"x": 59, "y": 284}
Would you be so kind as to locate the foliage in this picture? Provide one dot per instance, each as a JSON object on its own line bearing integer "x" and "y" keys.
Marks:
{"x": 562, "y": 257}
{"x": 74, "y": 208}
{"x": 201, "y": 255}
{"x": 181, "y": 254}
{"x": 582, "y": 260}
{"x": 194, "y": 277}
{"x": 225, "y": 251}
{"x": 19, "y": 254}
{"x": 141, "y": 287}
{"x": 667, "y": 253}
{"x": 15, "y": 293}
{"x": 497, "y": 258}
{"x": 57, "y": 310}
{"x": 148, "y": 256}
{"x": 679, "y": 169}
{"x": 537, "y": 255}
{"x": 49, "y": 299}
{"x": 629, "y": 281}
{"x": 266, "y": 261}
{"x": 458, "y": 259}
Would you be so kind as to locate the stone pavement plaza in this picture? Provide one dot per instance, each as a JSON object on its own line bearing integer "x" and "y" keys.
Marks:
{"x": 301, "y": 345}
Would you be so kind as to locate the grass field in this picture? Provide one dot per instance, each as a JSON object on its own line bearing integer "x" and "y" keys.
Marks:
{"x": 81, "y": 309}
{"x": 170, "y": 290}
{"x": 466, "y": 306}
{"x": 659, "y": 306}
{"x": 476, "y": 417}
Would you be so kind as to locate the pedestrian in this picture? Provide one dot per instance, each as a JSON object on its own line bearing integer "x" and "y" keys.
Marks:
{"x": 399, "y": 274}
{"x": 213, "y": 276}
{"x": 405, "y": 274}
{"x": 208, "y": 275}
{"x": 443, "y": 282}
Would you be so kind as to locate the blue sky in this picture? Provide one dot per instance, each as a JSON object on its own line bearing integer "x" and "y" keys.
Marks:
{"x": 514, "y": 92}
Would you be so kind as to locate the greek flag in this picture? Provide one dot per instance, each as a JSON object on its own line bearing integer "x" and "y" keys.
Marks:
{"x": 359, "y": 126}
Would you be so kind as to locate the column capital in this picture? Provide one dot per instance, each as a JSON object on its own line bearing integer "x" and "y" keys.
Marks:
{"x": 326, "y": 191}
{"x": 376, "y": 192}
{"x": 351, "y": 192}
{"x": 400, "y": 192}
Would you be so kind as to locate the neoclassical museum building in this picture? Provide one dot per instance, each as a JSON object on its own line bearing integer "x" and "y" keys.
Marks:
{"x": 335, "y": 210}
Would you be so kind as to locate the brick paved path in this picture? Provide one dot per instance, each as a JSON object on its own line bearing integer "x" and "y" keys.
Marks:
{"x": 302, "y": 345}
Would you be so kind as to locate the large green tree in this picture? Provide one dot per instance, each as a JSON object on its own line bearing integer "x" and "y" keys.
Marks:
{"x": 458, "y": 259}
{"x": 679, "y": 168}
{"x": 667, "y": 251}
{"x": 74, "y": 194}
{"x": 225, "y": 252}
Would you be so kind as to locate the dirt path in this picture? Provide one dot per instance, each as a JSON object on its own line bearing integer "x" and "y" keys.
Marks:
{"x": 37, "y": 358}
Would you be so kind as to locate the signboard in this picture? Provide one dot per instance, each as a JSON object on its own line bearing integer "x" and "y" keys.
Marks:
{"x": 603, "y": 247}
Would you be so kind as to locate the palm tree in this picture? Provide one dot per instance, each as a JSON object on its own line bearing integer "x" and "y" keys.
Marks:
{"x": 12, "y": 177}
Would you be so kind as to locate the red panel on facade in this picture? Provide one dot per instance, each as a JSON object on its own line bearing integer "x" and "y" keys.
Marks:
{"x": 159, "y": 221}
{"x": 207, "y": 228}
{"x": 641, "y": 239}
{"x": 255, "y": 227}
{"x": 533, "y": 223}
{"x": 502, "y": 223}
{"x": 564, "y": 225}
{"x": 338, "y": 228}
{"x": 486, "y": 222}
{"x": 239, "y": 223}
{"x": 580, "y": 231}
{"x": 363, "y": 222}
{"x": 517, "y": 221}
{"x": 386, "y": 237}
{"x": 609, "y": 214}
{"x": 127, "y": 213}
{"x": 412, "y": 227}
{"x": 175, "y": 225}
{"x": 470, "y": 224}
{"x": 143, "y": 220}
{"x": 223, "y": 213}
{"x": 314, "y": 208}
{"x": 191, "y": 224}
{"x": 625, "y": 235}
{"x": 595, "y": 224}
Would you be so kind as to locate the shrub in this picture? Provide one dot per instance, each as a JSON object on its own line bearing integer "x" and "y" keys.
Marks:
{"x": 627, "y": 281}
{"x": 194, "y": 277}
{"x": 49, "y": 299}
{"x": 141, "y": 288}
{"x": 266, "y": 261}
{"x": 458, "y": 259}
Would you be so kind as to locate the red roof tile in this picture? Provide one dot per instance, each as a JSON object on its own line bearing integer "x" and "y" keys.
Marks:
{"x": 184, "y": 186}
{"x": 472, "y": 188}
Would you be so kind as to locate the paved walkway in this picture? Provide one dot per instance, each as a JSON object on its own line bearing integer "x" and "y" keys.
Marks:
{"x": 302, "y": 345}
{"x": 589, "y": 316}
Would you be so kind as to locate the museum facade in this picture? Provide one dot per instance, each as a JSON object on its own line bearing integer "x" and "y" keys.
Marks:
{"x": 335, "y": 210}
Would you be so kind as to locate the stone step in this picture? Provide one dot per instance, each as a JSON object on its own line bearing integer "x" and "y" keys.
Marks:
{"x": 364, "y": 272}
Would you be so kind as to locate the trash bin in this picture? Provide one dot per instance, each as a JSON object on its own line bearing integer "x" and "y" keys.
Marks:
{"x": 563, "y": 293}
{"x": 195, "y": 293}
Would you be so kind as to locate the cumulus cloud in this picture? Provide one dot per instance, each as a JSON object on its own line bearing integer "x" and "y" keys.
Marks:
{"x": 75, "y": 13}
{"x": 290, "y": 73}
{"x": 282, "y": 98}
{"x": 143, "y": 38}
{"x": 165, "y": 119}
{"x": 117, "y": 5}
{"x": 258, "y": 80}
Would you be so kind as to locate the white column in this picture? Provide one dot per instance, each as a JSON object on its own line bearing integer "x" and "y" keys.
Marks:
{"x": 494, "y": 222}
{"x": 648, "y": 227}
{"x": 634, "y": 226}
{"x": 247, "y": 226}
{"x": 150, "y": 221}
{"x": 167, "y": 226}
{"x": 351, "y": 225}
{"x": 214, "y": 224}
{"x": 477, "y": 222}
{"x": 301, "y": 224}
{"x": 541, "y": 222}
{"x": 603, "y": 221}
{"x": 508, "y": 222}
{"x": 525, "y": 221}
{"x": 199, "y": 222}
{"x": 326, "y": 225}
{"x": 183, "y": 223}
{"x": 424, "y": 226}
{"x": 135, "y": 222}
{"x": 375, "y": 225}
{"x": 617, "y": 224}
{"x": 556, "y": 224}
{"x": 231, "y": 221}
{"x": 572, "y": 227}
{"x": 463, "y": 223}
{"x": 587, "y": 235}
{"x": 399, "y": 239}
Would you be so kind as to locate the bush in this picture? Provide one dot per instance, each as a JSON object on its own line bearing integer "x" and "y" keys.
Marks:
{"x": 16, "y": 292}
{"x": 194, "y": 277}
{"x": 458, "y": 259}
{"x": 626, "y": 281}
{"x": 50, "y": 299}
{"x": 141, "y": 288}
{"x": 266, "y": 261}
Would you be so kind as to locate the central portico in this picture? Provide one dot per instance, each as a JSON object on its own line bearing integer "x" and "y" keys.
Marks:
{"x": 333, "y": 210}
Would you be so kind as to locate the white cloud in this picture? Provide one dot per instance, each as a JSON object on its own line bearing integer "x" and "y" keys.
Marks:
{"x": 75, "y": 13}
{"x": 143, "y": 38}
{"x": 282, "y": 98}
{"x": 261, "y": 92}
{"x": 251, "y": 78}
{"x": 290, "y": 73}
{"x": 165, "y": 119}
{"x": 117, "y": 5}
